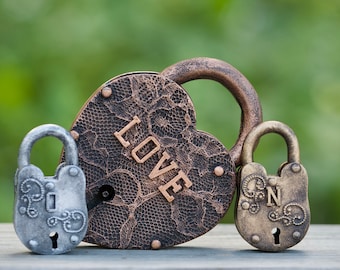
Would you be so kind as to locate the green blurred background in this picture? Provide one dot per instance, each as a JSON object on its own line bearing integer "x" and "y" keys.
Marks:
{"x": 54, "y": 54}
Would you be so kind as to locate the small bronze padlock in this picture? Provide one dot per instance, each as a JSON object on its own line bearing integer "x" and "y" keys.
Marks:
{"x": 153, "y": 179}
{"x": 272, "y": 211}
{"x": 50, "y": 215}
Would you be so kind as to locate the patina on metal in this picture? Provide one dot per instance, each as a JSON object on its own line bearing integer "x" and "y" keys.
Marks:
{"x": 272, "y": 211}
{"x": 153, "y": 180}
{"x": 233, "y": 80}
{"x": 50, "y": 214}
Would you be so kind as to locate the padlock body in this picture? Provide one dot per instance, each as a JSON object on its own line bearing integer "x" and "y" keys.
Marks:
{"x": 152, "y": 177}
{"x": 272, "y": 212}
{"x": 50, "y": 215}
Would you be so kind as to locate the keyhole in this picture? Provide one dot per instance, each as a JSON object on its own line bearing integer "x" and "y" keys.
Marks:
{"x": 106, "y": 192}
{"x": 276, "y": 234}
{"x": 54, "y": 237}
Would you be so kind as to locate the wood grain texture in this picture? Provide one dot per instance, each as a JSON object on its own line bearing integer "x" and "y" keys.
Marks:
{"x": 221, "y": 248}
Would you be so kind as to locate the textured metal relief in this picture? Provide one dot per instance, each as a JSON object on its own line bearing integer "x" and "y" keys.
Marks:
{"x": 50, "y": 214}
{"x": 292, "y": 214}
{"x": 31, "y": 192}
{"x": 253, "y": 188}
{"x": 72, "y": 221}
{"x": 152, "y": 176}
{"x": 150, "y": 173}
{"x": 272, "y": 211}
{"x": 153, "y": 179}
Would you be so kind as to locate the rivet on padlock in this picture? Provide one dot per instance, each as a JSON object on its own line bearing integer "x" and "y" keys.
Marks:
{"x": 272, "y": 211}
{"x": 50, "y": 214}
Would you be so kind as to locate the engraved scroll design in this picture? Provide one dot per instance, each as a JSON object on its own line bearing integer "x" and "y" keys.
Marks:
{"x": 72, "y": 221}
{"x": 33, "y": 191}
{"x": 293, "y": 214}
{"x": 253, "y": 187}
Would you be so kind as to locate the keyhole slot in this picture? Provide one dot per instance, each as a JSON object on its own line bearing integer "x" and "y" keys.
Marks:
{"x": 54, "y": 238}
{"x": 276, "y": 234}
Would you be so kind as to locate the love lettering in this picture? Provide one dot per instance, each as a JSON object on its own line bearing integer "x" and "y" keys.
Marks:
{"x": 156, "y": 171}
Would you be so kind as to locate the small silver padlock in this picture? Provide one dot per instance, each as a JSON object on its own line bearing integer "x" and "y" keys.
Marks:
{"x": 50, "y": 214}
{"x": 272, "y": 211}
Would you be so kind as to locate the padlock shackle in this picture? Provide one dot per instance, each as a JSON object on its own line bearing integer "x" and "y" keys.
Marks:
{"x": 255, "y": 134}
{"x": 233, "y": 80}
{"x": 71, "y": 152}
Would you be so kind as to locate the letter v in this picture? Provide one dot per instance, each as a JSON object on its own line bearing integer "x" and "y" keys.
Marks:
{"x": 157, "y": 172}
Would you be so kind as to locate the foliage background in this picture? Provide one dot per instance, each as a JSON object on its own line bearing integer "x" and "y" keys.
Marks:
{"x": 54, "y": 54}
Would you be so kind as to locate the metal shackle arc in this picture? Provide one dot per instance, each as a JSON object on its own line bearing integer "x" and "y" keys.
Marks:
{"x": 286, "y": 132}
{"x": 71, "y": 152}
{"x": 233, "y": 80}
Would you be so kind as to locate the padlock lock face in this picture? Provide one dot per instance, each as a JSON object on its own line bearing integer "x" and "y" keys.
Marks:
{"x": 153, "y": 180}
{"x": 50, "y": 214}
{"x": 272, "y": 211}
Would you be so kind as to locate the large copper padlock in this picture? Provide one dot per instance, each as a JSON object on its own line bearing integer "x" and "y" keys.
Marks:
{"x": 272, "y": 211}
{"x": 153, "y": 180}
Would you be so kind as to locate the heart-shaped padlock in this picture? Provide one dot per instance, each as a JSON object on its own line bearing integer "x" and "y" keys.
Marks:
{"x": 153, "y": 180}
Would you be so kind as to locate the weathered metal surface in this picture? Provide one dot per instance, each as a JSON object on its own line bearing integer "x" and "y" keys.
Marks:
{"x": 50, "y": 215}
{"x": 233, "y": 80}
{"x": 272, "y": 211}
{"x": 153, "y": 180}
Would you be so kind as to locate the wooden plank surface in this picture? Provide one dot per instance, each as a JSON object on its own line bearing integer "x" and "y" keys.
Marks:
{"x": 221, "y": 248}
